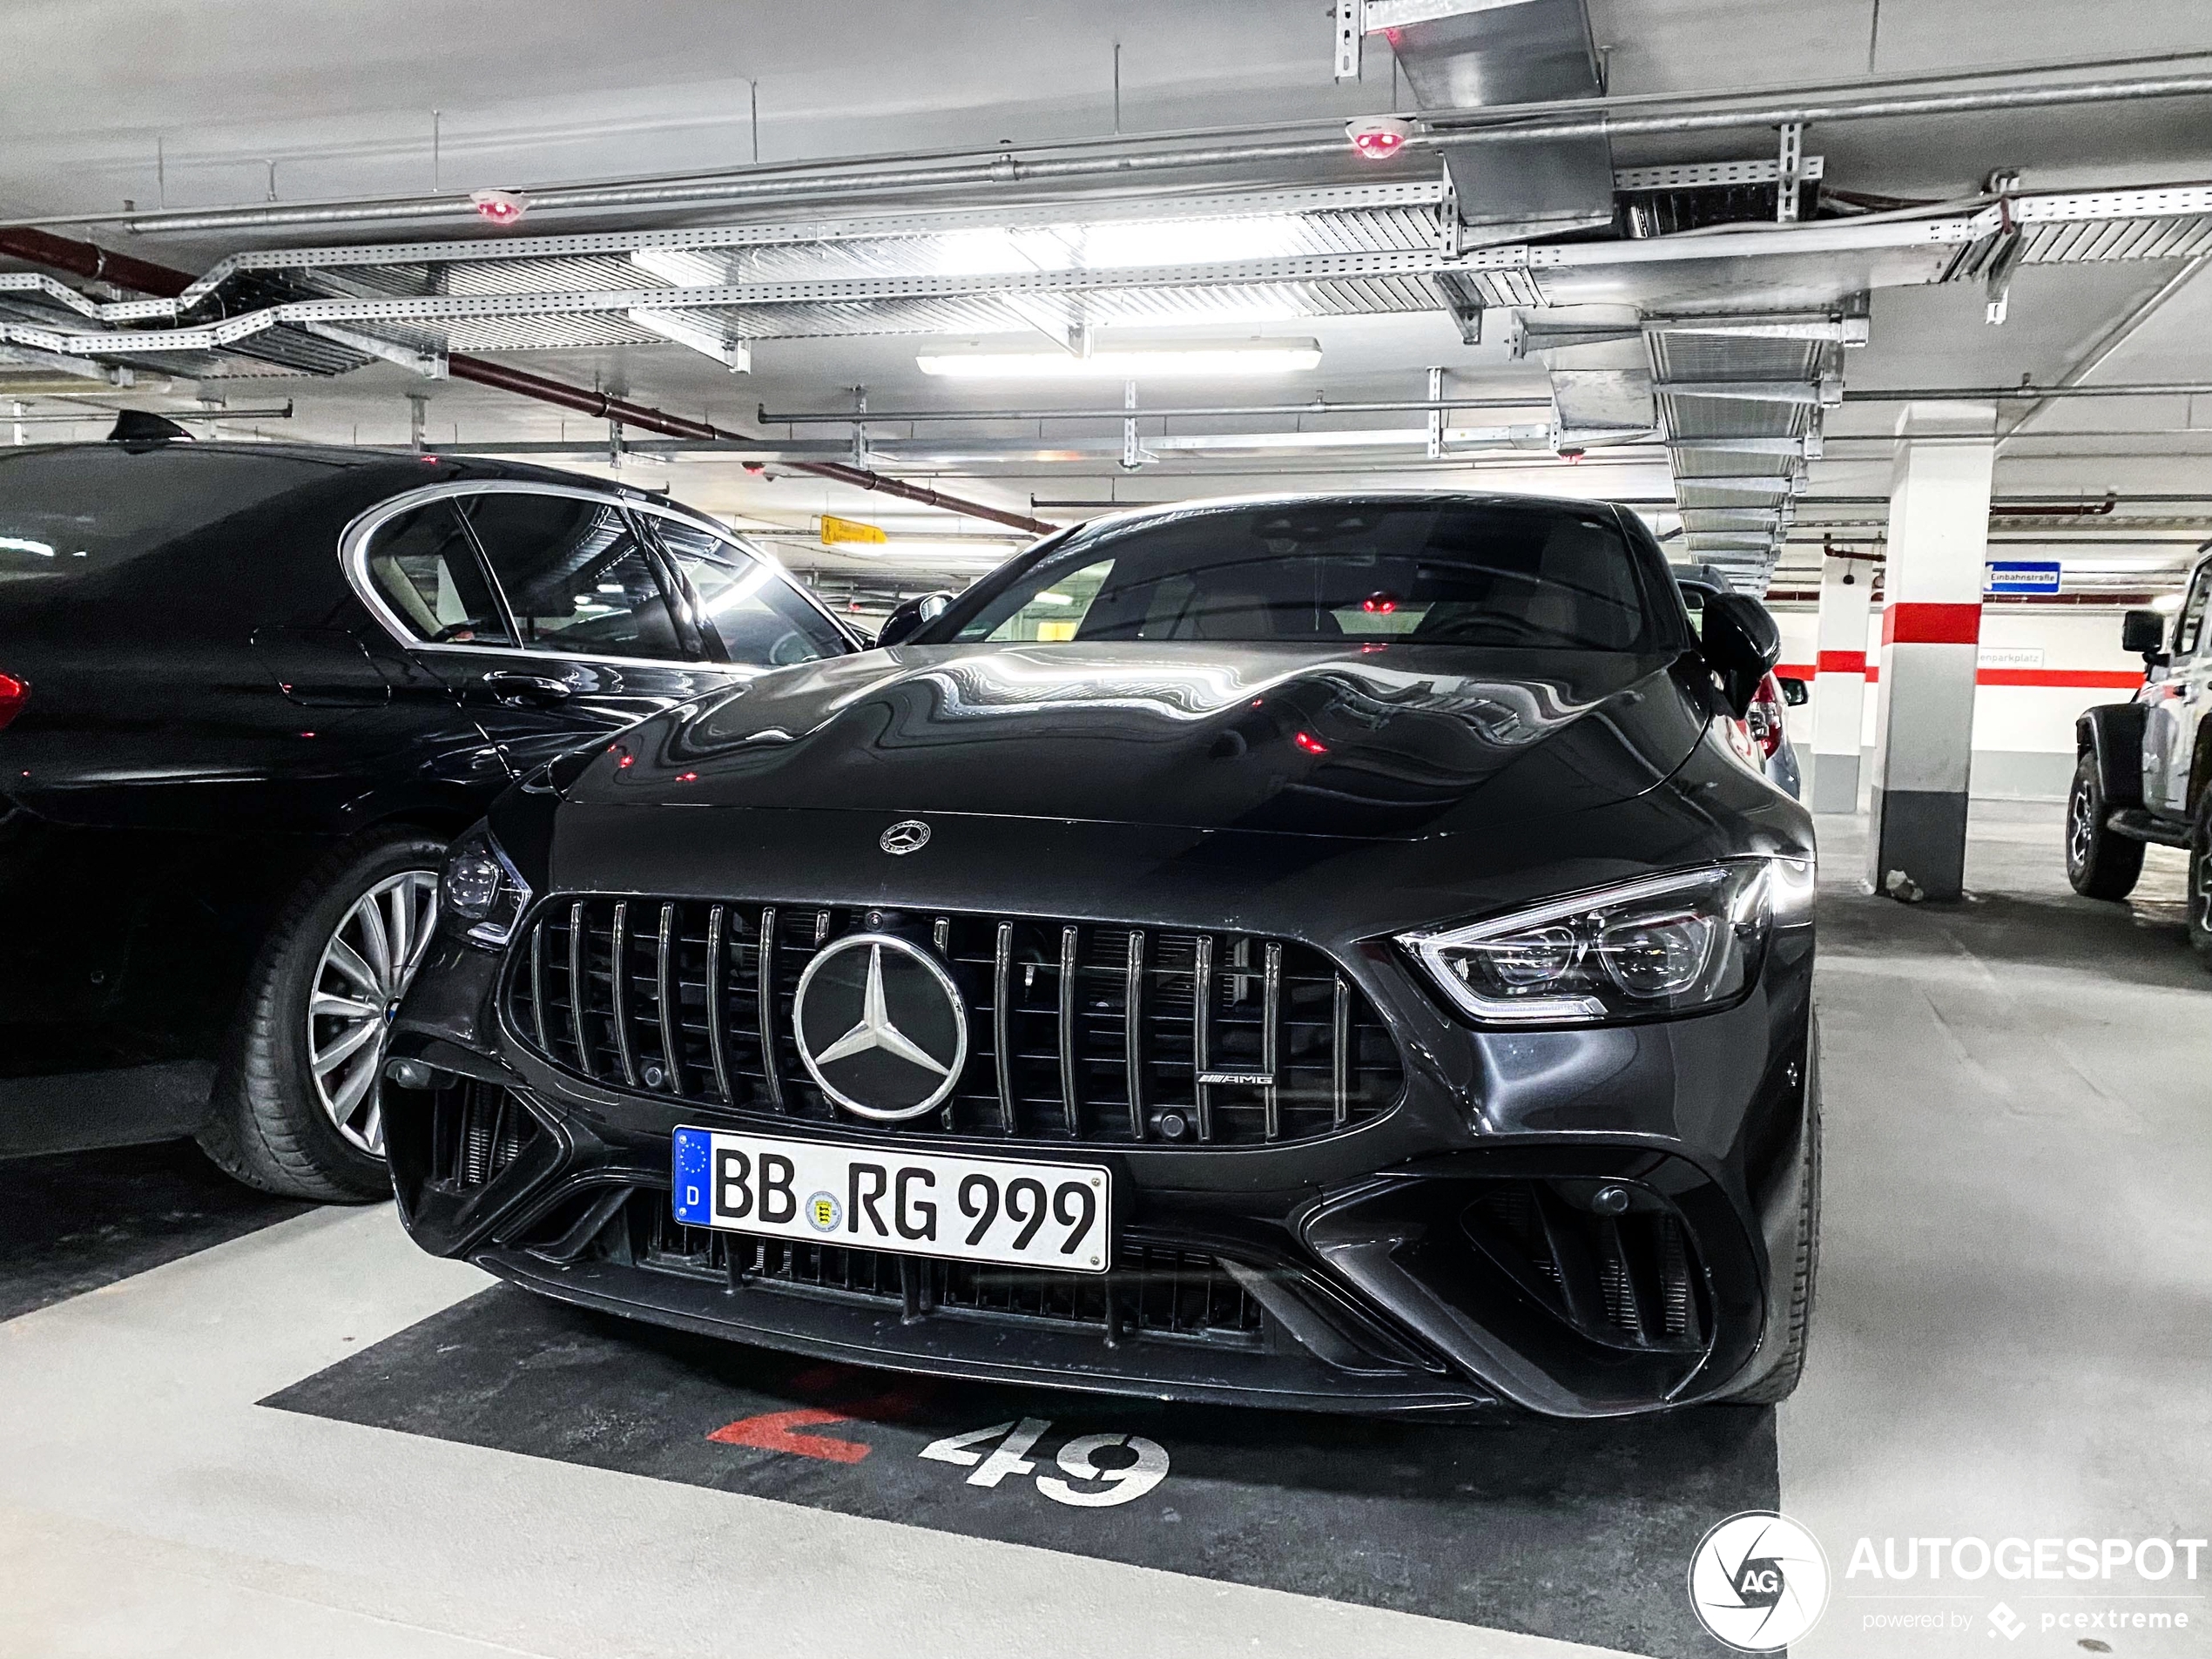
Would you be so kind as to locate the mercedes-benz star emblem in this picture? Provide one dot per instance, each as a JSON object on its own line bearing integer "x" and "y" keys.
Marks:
{"x": 908, "y": 835}
{"x": 880, "y": 1027}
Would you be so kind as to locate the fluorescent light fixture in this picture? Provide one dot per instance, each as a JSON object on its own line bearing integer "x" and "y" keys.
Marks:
{"x": 1129, "y": 362}
{"x": 735, "y": 355}
{"x": 1053, "y": 599}
{"x": 674, "y": 265}
{"x": 1512, "y": 437}
{"x": 18, "y": 544}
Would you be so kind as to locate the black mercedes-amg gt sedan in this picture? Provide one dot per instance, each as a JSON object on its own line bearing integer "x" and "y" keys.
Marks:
{"x": 1314, "y": 952}
{"x": 248, "y": 695}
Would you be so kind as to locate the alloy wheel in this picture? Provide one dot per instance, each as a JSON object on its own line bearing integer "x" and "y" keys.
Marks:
{"x": 2201, "y": 886}
{"x": 2080, "y": 828}
{"x": 365, "y": 967}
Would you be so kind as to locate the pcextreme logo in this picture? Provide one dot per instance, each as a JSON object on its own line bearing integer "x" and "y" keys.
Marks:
{"x": 1758, "y": 1581}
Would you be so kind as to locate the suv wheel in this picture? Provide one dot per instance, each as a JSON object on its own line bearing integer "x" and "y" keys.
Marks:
{"x": 2200, "y": 882}
{"x": 297, "y": 1104}
{"x": 2100, "y": 864}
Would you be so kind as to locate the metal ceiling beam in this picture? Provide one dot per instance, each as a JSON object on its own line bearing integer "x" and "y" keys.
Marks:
{"x": 485, "y": 373}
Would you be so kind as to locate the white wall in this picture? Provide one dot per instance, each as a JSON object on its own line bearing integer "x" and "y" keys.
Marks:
{"x": 2023, "y": 731}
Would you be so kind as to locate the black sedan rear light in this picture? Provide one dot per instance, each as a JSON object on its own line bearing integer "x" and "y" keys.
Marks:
{"x": 14, "y": 693}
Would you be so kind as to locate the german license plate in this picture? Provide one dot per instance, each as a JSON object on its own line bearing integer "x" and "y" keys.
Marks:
{"x": 1008, "y": 1211}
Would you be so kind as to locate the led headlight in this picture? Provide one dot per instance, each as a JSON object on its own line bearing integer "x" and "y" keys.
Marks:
{"x": 1669, "y": 944}
{"x": 481, "y": 887}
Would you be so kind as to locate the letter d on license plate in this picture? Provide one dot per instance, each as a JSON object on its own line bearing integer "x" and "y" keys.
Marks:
{"x": 1007, "y": 1211}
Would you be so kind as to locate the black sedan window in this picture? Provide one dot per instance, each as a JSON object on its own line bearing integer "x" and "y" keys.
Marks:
{"x": 757, "y": 615}
{"x": 575, "y": 575}
{"x": 425, "y": 567}
{"x": 1473, "y": 573}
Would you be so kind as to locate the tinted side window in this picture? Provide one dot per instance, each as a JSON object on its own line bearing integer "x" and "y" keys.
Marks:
{"x": 755, "y": 613}
{"x": 427, "y": 571}
{"x": 575, "y": 575}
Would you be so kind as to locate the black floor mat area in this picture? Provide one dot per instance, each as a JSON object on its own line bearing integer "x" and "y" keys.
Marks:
{"x": 72, "y": 1223}
{"x": 1578, "y": 1531}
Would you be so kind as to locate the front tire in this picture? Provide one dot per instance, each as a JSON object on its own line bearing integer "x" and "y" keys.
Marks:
{"x": 2100, "y": 864}
{"x": 2200, "y": 882}
{"x": 1804, "y": 1267}
{"x": 297, "y": 1108}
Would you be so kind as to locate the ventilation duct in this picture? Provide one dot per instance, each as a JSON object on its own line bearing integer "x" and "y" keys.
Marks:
{"x": 1481, "y": 53}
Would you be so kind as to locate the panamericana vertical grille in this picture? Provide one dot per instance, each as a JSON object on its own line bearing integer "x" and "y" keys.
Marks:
{"x": 1078, "y": 1030}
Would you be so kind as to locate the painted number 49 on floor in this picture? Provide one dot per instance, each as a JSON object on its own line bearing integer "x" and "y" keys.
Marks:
{"x": 1138, "y": 1465}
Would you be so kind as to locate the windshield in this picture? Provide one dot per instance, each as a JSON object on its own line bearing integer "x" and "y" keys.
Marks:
{"x": 1464, "y": 572}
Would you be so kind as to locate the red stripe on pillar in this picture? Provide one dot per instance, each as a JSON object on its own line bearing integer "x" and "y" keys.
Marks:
{"x": 1842, "y": 662}
{"x": 2117, "y": 679}
{"x": 1931, "y": 624}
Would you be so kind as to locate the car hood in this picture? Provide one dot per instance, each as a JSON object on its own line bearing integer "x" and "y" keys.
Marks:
{"x": 1396, "y": 741}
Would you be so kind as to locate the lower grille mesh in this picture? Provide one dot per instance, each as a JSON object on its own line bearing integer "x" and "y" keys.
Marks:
{"x": 1151, "y": 1292}
{"x": 1078, "y": 1030}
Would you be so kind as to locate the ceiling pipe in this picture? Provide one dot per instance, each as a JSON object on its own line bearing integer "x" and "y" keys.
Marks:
{"x": 874, "y": 417}
{"x": 85, "y": 260}
{"x": 1516, "y": 127}
{"x": 1998, "y": 394}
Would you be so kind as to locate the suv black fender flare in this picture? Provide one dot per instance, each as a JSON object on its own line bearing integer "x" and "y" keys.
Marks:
{"x": 2113, "y": 733}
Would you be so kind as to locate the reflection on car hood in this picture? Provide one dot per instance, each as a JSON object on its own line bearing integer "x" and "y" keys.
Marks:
{"x": 1396, "y": 741}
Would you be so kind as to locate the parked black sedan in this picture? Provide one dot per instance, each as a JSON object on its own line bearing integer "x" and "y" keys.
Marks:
{"x": 1311, "y": 951}
{"x": 249, "y": 694}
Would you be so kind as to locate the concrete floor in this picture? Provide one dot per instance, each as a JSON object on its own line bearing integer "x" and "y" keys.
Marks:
{"x": 209, "y": 1456}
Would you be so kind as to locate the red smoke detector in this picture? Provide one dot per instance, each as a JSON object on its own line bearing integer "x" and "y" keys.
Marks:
{"x": 501, "y": 206}
{"x": 1378, "y": 137}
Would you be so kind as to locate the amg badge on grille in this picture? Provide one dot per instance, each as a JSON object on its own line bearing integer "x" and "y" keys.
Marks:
{"x": 880, "y": 1027}
{"x": 908, "y": 835}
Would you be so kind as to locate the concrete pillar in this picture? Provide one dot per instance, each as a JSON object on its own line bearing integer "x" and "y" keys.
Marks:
{"x": 1839, "y": 685}
{"x": 1924, "y": 718}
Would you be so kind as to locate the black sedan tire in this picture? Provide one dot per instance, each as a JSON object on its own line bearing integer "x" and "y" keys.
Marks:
{"x": 2100, "y": 864}
{"x": 297, "y": 1106}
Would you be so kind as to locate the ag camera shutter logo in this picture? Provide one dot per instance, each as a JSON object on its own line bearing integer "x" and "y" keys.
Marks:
{"x": 1758, "y": 1581}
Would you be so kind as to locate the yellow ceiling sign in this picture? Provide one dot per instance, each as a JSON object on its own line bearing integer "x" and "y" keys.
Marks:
{"x": 846, "y": 529}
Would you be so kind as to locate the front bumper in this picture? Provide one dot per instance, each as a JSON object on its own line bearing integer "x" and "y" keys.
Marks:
{"x": 1448, "y": 1255}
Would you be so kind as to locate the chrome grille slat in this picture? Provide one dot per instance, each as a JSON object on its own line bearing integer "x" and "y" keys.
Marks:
{"x": 1094, "y": 1030}
{"x": 717, "y": 1012}
{"x": 580, "y": 987}
{"x": 1202, "y": 1035}
{"x": 670, "y": 1000}
{"x": 618, "y": 988}
{"x": 764, "y": 985}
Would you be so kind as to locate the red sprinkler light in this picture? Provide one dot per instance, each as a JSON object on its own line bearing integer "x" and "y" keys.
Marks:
{"x": 1378, "y": 137}
{"x": 501, "y": 208}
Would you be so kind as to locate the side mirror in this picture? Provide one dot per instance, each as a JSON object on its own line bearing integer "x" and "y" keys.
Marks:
{"x": 1741, "y": 644}
{"x": 2143, "y": 632}
{"x": 908, "y": 619}
{"x": 1794, "y": 692}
